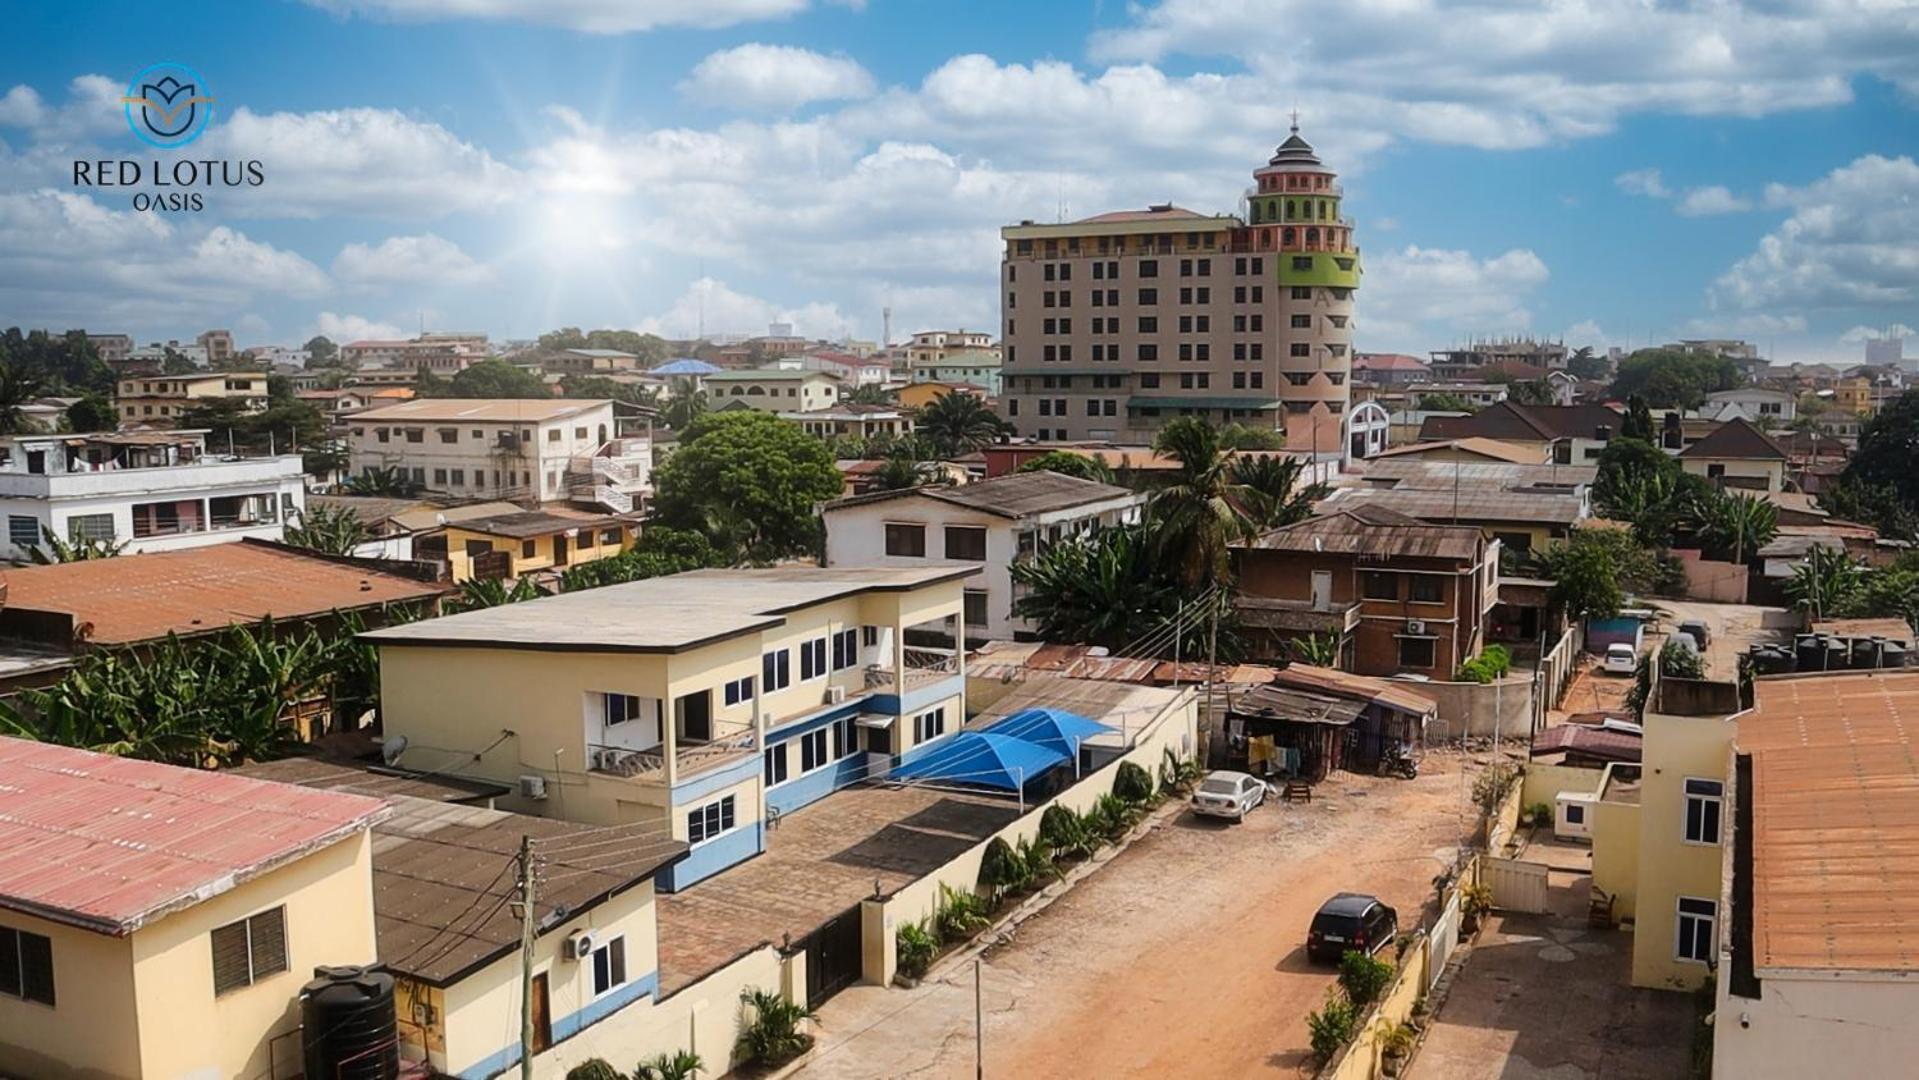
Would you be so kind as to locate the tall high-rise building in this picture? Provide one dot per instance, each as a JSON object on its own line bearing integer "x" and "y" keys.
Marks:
{"x": 1115, "y": 324}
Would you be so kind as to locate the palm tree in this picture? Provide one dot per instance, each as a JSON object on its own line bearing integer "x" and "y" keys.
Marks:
{"x": 1319, "y": 650}
{"x": 79, "y": 549}
{"x": 870, "y": 394}
{"x": 688, "y": 404}
{"x": 680, "y": 1065}
{"x": 387, "y": 481}
{"x": 901, "y": 471}
{"x": 1196, "y": 515}
{"x": 477, "y": 593}
{"x": 1827, "y": 583}
{"x": 1739, "y": 524}
{"x": 1271, "y": 495}
{"x": 959, "y": 423}
{"x": 1098, "y": 589}
{"x": 334, "y": 530}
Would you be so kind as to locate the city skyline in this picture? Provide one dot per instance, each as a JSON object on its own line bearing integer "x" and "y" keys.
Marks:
{"x": 1613, "y": 176}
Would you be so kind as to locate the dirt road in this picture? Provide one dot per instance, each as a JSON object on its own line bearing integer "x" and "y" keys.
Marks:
{"x": 1183, "y": 957}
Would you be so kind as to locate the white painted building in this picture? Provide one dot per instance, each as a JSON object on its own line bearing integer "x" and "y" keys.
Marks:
{"x": 546, "y": 451}
{"x": 994, "y": 523}
{"x": 155, "y": 491}
{"x": 1767, "y": 408}
{"x": 773, "y": 391}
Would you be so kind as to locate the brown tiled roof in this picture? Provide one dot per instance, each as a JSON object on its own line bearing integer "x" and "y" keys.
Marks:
{"x": 1835, "y": 809}
{"x": 1489, "y": 448}
{"x": 132, "y": 598}
{"x": 1736, "y": 439}
{"x": 1478, "y": 504}
{"x": 1012, "y": 495}
{"x": 1524, "y": 423}
{"x": 1376, "y": 531}
{"x": 529, "y": 523}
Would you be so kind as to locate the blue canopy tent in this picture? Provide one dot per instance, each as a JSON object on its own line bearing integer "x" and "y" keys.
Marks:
{"x": 1055, "y": 729}
{"x": 686, "y": 366}
{"x": 985, "y": 759}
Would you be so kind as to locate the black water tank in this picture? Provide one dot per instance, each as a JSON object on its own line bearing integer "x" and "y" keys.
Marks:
{"x": 1809, "y": 652}
{"x": 1865, "y": 652}
{"x": 350, "y": 1031}
{"x": 1838, "y": 653}
{"x": 1892, "y": 654}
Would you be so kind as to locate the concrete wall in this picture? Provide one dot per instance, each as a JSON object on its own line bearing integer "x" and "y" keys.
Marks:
{"x": 1706, "y": 579}
{"x": 1824, "y": 1026}
{"x": 1544, "y": 782}
{"x": 1363, "y": 1059}
{"x": 1176, "y": 728}
{"x": 93, "y": 1029}
{"x": 1467, "y": 708}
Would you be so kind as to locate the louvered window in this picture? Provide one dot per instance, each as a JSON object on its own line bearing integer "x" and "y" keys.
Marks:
{"x": 249, "y": 950}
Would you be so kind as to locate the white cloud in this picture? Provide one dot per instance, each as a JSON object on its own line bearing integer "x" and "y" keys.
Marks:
{"x": 591, "y": 16}
{"x": 1646, "y": 182}
{"x": 407, "y": 259}
{"x": 341, "y": 329}
{"x": 22, "y": 108}
{"x": 1415, "y": 296}
{"x": 1588, "y": 332}
{"x": 720, "y": 309}
{"x": 1852, "y": 240}
{"x": 1749, "y": 325}
{"x": 1714, "y": 199}
{"x": 1861, "y": 334}
{"x": 776, "y": 77}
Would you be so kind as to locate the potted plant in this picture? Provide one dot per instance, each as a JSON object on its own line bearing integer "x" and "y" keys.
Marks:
{"x": 1395, "y": 1046}
{"x": 1474, "y": 900}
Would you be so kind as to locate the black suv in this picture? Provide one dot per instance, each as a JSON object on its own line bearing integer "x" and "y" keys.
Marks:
{"x": 1350, "y": 922}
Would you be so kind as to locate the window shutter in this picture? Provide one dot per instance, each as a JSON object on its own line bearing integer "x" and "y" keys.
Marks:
{"x": 230, "y": 968}
{"x": 36, "y": 968}
{"x": 268, "y": 931}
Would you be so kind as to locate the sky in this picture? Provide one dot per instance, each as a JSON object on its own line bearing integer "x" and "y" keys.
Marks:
{"x": 1610, "y": 172}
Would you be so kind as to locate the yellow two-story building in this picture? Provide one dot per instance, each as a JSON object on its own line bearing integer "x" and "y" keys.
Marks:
{"x": 159, "y": 922}
{"x": 702, "y": 703}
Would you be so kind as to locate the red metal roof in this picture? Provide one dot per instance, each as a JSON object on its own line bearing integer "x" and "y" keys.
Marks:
{"x": 109, "y": 844}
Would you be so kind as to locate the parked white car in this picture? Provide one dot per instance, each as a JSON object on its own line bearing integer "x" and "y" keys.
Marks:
{"x": 1228, "y": 794}
{"x": 1621, "y": 658}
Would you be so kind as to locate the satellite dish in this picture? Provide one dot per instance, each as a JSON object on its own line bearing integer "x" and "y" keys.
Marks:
{"x": 392, "y": 748}
{"x": 439, "y": 519}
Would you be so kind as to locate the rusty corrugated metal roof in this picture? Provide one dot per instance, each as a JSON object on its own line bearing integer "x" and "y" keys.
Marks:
{"x": 1350, "y": 525}
{"x": 1365, "y": 687}
{"x": 1835, "y": 818}
{"x": 109, "y": 844}
{"x": 194, "y": 590}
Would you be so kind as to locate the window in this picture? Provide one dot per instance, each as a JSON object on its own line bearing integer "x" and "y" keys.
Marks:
{"x": 703, "y": 823}
{"x": 459, "y": 478}
{"x": 22, "y": 531}
{"x": 26, "y": 965}
{"x": 812, "y": 659}
{"x": 776, "y": 671}
{"x": 449, "y": 435}
{"x": 929, "y": 725}
{"x": 909, "y": 540}
{"x": 846, "y": 649}
{"x": 247, "y": 951}
{"x": 1425, "y": 589}
{"x": 1703, "y": 805}
{"x": 775, "y": 765}
{"x": 1149, "y": 324}
{"x": 1417, "y": 652}
{"x": 609, "y": 965}
{"x": 975, "y": 607}
{"x": 1149, "y": 268}
{"x": 870, "y": 636}
{"x": 527, "y": 548}
{"x": 966, "y": 542}
{"x": 1374, "y": 585}
{"x": 415, "y": 435}
{"x": 90, "y": 527}
{"x": 621, "y": 708}
{"x": 1148, "y": 296}
{"x": 439, "y": 477}
{"x": 738, "y": 690}
{"x": 607, "y": 536}
{"x": 1302, "y": 322}
{"x": 1697, "y": 921}
{"x": 812, "y": 750}
{"x": 845, "y": 738}
{"x": 552, "y": 434}
{"x": 1300, "y": 348}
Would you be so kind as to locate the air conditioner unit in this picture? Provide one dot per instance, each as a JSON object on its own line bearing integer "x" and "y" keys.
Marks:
{"x": 1415, "y": 626}
{"x": 835, "y": 695}
{"x": 532, "y": 786}
{"x": 579, "y": 945}
{"x": 606, "y": 760}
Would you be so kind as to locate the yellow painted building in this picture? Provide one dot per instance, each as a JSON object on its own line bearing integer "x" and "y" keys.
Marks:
{"x": 166, "y": 919}
{"x": 697, "y": 703}
{"x": 510, "y": 545}
{"x": 918, "y": 395}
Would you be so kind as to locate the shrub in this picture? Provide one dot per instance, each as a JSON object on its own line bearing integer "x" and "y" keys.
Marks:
{"x": 773, "y": 1037}
{"x": 1398, "y": 1042}
{"x": 1065, "y": 832}
{"x": 594, "y": 1069}
{"x": 917, "y": 949}
{"x": 1540, "y": 813}
{"x": 1332, "y": 1026}
{"x": 1132, "y": 784}
{"x": 679, "y": 1065}
{"x": 1475, "y": 900}
{"x": 999, "y": 868}
{"x": 1491, "y": 785}
{"x": 1492, "y": 662}
{"x": 1363, "y": 978}
{"x": 1036, "y": 860}
{"x": 1112, "y": 816}
{"x": 959, "y": 914}
{"x": 1177, "y": 776}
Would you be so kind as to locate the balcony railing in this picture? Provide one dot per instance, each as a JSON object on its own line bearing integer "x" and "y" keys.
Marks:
{"x": 694, "y": 757}
{"x": 923, "y": 666}
{"x": 1274, "y": 613}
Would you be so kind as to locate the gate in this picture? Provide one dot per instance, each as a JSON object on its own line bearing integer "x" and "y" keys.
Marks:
{"x": 1517, "y": 886}
{"x": 833, "y": 956}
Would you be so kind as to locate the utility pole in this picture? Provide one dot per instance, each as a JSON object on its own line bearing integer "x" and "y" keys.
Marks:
{"x": 1212, "y": 658}
{"x": 979, "y": 1029}
{"x": 526, "y": 957}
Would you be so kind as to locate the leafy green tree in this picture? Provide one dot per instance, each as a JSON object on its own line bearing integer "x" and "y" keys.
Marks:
{"x": 1069, "y": 464}
{"x": 1672, "y": 378}
{"x": 1446, "y": 402}
{"x": 1638, "y": 421}
{"x": 1103, "y": 588}
{"x": 66, "y": 364}
{"x": 871, "y": 394}
{"x": 321, "y": 351}
{"x": 326, "y": 460}
{"x": 1881, "y": 481}
{"x": 900, "y": 471}
{"x": 53, "y": 549}
{"x": 599, "y": 386}
{"x": 1194, "y": 514}
{"x": 93, "y": 412}
{"x": 282, "y": 426}
{"x": 1270, "y": 494}
{"x": 750, "y": 481}
{"x": 687, "y": 404}
{"x": 495, "y": 378}
{"x": 1319, "y": 650}
{"x": 19, "y": 385}
{"x": 329, "y": 529}
{"x": 1827, "y": 584}
{"x": 174, "y": 362}
{"x": 1238, "y": 436}
{"x": 1585, "y": 572}
{"x": 1736, "y": 526}
{"x": 1526, "y": 391}
{"x": 959, "y": 424}
{"x": 385, "y": 481}
{"x": 478, "y": 593}
{"x": 1585, "y": 366}
{"x": 660, "y": 551}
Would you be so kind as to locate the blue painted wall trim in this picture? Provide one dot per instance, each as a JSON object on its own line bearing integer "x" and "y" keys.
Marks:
{"x": 565, "y": 1027}
{"x": 698, "y": 787}
{"x": 714, "y": 856}
{"x": 803, "y": 724}
{"x": 917, "y": 698}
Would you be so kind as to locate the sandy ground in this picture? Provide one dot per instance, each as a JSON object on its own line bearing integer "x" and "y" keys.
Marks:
{"x": 1184, "y": 956}
{"x": 1734, "y": 627}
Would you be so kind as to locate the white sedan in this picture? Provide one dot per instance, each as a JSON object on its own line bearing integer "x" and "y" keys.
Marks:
{"x": 1228, "y": 794}
{"x": 1621, "y": 658}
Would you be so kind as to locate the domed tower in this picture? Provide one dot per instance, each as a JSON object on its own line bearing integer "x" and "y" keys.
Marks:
{"x": 1293, "y": 212}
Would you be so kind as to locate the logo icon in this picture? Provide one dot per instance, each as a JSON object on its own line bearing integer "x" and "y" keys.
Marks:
{"x": 168, "y": 105}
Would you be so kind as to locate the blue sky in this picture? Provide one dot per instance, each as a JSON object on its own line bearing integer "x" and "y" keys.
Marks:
{"x": 1611, "y": 171}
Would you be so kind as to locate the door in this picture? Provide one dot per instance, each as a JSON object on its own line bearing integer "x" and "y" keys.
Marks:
{"x": 695, "y": 716}
{"x": 559, "y": 550}
{"x": 1517, "y": 886}
{"x": 834, "y": 959}
{"x": 1322, "y": 590}
{"x": 542, "y": 1015}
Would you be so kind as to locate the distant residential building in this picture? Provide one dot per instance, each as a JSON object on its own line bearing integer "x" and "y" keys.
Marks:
{"x": 1767, "y": 408}
{"x": 114, "y": 349}
{"x": 1390, "y": 369}
{"x": 772, "y": 391}
{"x": 159, "y": 921}
{"x": 218, "y": 345}
{"x": 1730, "y": 348}
{"x": 921, "y": 394}
{"x": 932, "y": 346}
{"x": 993, "y": 523}
{"x": 1887, "y": 350}
{"x": 1569, "y": 434}
{"x": 1737, "y": 455}
{"x": 381, "y": 377}
{"x": 978, "y": 367}
{"x": 152, "y": 490}
{"x": 1474, "y": 359}
{"x": 590, "y": 361}
{"x": 276, "y": 356}
{"x": 523, "y": 449}
{"x": 515, "y": 544}
{"x": 152, "y": 355}
{"x": 336, "y": 404}
{"x": 1396, "y": 595}
{"x": 443, "y": 354}
{"x": 850, "y": 369}
{"x": 158, "y": 401}
{"x": 1522, "y": 518}
{"x": 854, "y": 419}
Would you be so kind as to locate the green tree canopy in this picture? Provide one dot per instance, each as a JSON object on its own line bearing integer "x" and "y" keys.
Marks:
{"x": 1881, "y": 481}
{"x": 282, "y": 427}
{"x": 490, "y": 378}
{"x": 750, "y": 482}
{"x": 959, "y": 424}
{"x": 93, "y": 412}
{"x": 55, "y": 363}
{"x": 1583, "y": 365}
{"x": 1447, "y": 402}
{"x": 1069, "y": 464}
{"x": 321, "y": 351}
{"x": 1671, "y": 378}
